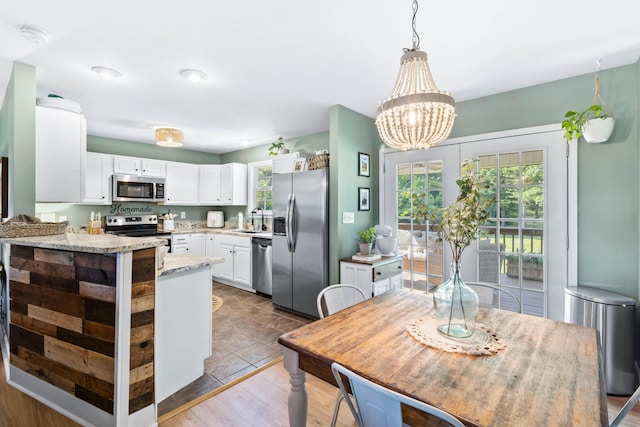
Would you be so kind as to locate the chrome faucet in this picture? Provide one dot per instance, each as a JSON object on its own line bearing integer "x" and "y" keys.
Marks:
{"x": 263, "y": 227}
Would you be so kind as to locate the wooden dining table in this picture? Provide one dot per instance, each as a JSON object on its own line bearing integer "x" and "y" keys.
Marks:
{"x": 549, "y": 373}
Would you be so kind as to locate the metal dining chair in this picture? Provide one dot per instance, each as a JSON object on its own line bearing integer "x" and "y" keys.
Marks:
{"x": 493, "y": 296}
{"x": 628, "y": 406}
{"x": 333, "y": 299}
{"x": 378, "y": 406}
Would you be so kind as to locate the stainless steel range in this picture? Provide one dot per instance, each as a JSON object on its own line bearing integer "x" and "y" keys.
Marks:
{"x": 134, "y": 226}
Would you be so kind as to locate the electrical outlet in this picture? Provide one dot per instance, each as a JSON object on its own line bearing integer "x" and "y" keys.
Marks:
{"x": 183, "y": 215}
{"x": 62, "y": 218}
{"x": 348, "y": 217}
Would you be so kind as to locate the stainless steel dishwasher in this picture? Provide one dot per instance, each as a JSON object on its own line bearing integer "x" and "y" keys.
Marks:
{"x": 261, "y": 255}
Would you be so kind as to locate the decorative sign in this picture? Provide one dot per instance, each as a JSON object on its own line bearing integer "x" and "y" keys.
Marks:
{"x": 118, "y": 209}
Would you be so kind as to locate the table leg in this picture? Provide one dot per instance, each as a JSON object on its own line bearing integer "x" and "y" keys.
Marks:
{"x": 298, "y": 394}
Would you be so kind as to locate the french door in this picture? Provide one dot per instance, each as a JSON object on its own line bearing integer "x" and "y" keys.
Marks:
{"x": 522, "y": 247}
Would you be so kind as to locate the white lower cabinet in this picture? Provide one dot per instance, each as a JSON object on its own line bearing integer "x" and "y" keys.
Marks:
{"x": 236, "y": 251}
{"x": 180, "y": 243}
{"x": 198, "y": 245}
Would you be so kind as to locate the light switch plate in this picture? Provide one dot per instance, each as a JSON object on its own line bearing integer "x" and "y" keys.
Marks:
{"x": 183, "y": 215}
{"x": 348, "y": 217}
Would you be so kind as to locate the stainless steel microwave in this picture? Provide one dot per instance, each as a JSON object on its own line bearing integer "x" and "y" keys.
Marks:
{"x": 131, "y": 188}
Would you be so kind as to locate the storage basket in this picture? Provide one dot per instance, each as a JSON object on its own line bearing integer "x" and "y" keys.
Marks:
{"x": 319, "y": 161}
{"x": 26, "y": 226}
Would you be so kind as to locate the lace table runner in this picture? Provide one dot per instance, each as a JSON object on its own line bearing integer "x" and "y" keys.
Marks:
{"x": 483, "y": 342}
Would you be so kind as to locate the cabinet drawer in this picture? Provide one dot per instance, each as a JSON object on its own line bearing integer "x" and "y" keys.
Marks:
{"x": 225, "y": 239}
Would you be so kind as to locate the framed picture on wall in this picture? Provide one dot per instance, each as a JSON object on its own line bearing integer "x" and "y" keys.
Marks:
{"x": 363, "y": 164}
{"x": 364, "y": 199}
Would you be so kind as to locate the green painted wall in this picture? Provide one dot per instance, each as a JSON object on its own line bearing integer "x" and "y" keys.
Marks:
{"x": 18, "y": 138}
{"x": 99, "y": 144}
{"x": 608, "y": 202}
{"x": 350, "y": 133}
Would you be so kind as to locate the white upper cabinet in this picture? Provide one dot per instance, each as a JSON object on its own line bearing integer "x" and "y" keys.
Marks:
{"x": 283, "y": 163}
{"x": 181, "y": 186}
{"x": 209, "y": 185}
{"x": 223, "y": 184}
{"x": 97, "y": 178}
{"x": 125, "y": 165}
{"x": 61, "y": 143}
{"x": 233, "y": 184}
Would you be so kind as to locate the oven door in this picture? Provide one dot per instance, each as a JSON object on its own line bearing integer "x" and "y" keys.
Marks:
{"x": 130, "y": 188}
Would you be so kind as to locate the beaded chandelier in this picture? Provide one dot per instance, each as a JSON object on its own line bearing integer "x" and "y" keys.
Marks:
{"x": 417, "y": 115}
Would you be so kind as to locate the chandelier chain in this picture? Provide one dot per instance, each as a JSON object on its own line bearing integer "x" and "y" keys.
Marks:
{"x": 416, "y": 37}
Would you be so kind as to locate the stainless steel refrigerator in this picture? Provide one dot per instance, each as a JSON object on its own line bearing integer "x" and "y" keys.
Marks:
{"x": 300, "y": 239}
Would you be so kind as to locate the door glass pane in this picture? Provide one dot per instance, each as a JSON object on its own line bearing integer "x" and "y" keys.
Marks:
{"x": 419, "y": 182}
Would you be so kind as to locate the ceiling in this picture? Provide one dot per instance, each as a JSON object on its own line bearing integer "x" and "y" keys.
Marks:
{"x": 275, "y": 67}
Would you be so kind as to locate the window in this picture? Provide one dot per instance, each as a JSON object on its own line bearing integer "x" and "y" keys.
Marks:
{"x": 260, "y": 183}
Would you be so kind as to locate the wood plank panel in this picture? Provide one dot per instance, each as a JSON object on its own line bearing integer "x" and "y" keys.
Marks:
{"x": 34, "y": 325}
{"x": 141, "y": 353}
{"x": 100, "y": 331}
{"x": 144, "y": 303}
{"x": 147, "y": 287}
{"x": 83, "y": 360}
{"x": 97, "y": 291}
{"x": 84, "y": 341}
{"x": 142, "y": 333}
{"x": 17, "y": 275}
{"x": 53, "y": 256}
{"x": 65, "y": 331}
{"x": 142, "y": 318}
{"x": 55, "y": 318}
{"x": 141, "y": 373}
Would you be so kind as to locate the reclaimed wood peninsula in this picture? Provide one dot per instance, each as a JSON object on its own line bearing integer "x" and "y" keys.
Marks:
{"x": 80, "y": 333}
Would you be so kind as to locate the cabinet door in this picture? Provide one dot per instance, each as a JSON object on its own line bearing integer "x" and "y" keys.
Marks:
{"x": 197, "y": 247}
{"x": 97, "y": 178}
{"x": 61, "y": 144}
{"x": 124, "y": 165}
{"x": 380, "y": 287}
{"x": 226, "y": 184}
{"x": 209, "y": 185}
{"x": 224, "y": 269}
{"x": 154, "y": 168}
{"x": 395, "y": 282}
{"x": 283, "y": 163}
{"x": 209, "y": 245}
{"x": 181, "y": 186}
{"x": 352, "y": 273}
{"x": 242, "y": 265}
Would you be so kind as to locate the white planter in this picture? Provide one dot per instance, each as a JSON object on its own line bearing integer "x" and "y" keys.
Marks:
{"x": 598, "y": 130}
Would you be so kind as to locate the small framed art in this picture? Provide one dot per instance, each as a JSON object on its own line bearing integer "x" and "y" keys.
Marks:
{"x": 300, "y": 165}
{"x": 364, "y": 199}
{"x": 363, "y": 164}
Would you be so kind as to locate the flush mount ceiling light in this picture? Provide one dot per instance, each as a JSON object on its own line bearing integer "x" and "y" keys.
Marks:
{"x": 106, "y": 73}
{"x": 169, "y": 137}
{"x": 33, "y": 34}
{"x": 193, "y": 75}
{"x": 417, "y": 115}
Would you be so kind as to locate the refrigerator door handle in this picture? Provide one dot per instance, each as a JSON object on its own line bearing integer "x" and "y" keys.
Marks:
{"x": 292, "y": 226}
{"x": 288, "y": 224}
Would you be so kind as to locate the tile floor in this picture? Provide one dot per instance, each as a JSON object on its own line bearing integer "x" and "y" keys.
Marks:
{"x": 245, "y": 336}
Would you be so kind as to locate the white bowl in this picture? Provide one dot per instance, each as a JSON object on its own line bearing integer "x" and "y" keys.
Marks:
{"x": 387, "y": 245}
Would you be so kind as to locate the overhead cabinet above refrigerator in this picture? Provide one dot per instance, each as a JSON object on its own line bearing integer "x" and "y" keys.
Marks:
{"x": 300, "y": 239}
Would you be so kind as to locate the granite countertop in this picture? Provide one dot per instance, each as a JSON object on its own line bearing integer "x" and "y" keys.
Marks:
{"x": 91, "y": 243}
{"x": 176, "y": 263}
{"x": 229, "y": 231}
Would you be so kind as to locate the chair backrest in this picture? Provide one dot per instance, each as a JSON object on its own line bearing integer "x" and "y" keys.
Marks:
{"x": 338, "y": 297}
{"x": 633, "y": 400}
{"x": 493, "y": 296}
{"x": 379, "y": 406}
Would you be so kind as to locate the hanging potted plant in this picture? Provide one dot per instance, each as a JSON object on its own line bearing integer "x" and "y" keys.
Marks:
{"x": 595, "y": 124}
{"x": 278, "y": 148}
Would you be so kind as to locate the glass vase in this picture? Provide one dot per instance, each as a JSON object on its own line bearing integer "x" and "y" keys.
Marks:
{"x": 456, "y": 306}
